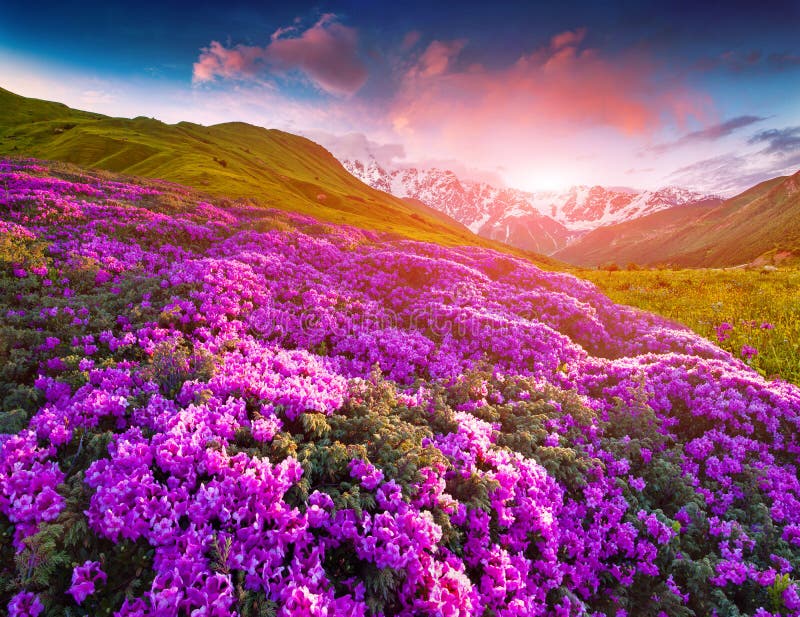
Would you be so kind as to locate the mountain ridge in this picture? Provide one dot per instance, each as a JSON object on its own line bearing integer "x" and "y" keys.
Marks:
{"x": 763, "y": 220}
{"x": 544, "y": 221}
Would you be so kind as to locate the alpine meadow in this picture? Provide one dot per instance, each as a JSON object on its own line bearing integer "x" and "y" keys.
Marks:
{"x": 373, "y": 310}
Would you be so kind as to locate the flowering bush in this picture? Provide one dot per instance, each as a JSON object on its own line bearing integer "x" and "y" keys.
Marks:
{"x": 200, "y": 417}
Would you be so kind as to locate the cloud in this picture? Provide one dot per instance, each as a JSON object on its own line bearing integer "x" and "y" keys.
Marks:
{"x": 281, "y": 31}
{"x": 462, "y": 170}
{"x": 779, "y": 141}
{"x": 326, "y": 53}
{"x": 411, "y": 38}
{"x": 561, "y": 83}
{"x": 96, "y": 97}
{"x": 216, "y": 60}
{"x": 783, "y": 61}
{"x": 740, "y": 61}
{"x": 718, "y": 131}
{"x": 710, "y": 133}
{"x": 358, "y": 146}
{"x": 731, "y": 173}
{"x": 535, "y": 114}
{"x": 569, "y": 38}
{"x": 725, "y": 174}
{"x": 753, "y": 61}
{"x": 436, "y": 59}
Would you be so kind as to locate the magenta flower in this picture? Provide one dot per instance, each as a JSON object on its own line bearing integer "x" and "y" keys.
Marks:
{"x": 25, "y": 604}
{"x": 84, "y": 580}
{"x": 637, "y": 483}
{"x": 366, "y": 473}
{"x": 723, "y": 331}
{"x": 748, "y": 352}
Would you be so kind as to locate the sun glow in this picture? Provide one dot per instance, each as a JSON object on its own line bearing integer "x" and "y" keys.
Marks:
{"x": 541, "y": 180}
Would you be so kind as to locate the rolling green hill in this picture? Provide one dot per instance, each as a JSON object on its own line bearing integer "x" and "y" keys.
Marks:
{"x": 645, "y": 240}
{"x": 761, "y": 221}
{"x": 234, "y": 160}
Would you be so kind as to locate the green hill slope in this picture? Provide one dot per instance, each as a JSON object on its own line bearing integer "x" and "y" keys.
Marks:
{"x": 234, "y": 160}
{"x": 761, "y": 220}
{"x": 646, "y": 240}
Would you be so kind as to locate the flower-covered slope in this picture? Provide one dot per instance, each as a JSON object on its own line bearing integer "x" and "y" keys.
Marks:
{"x": 212, "y": 409}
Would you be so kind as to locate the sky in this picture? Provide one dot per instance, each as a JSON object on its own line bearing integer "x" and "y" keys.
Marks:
{"x": 533, "y": 96}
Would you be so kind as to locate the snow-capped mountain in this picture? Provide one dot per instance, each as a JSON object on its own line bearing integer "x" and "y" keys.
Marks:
{"x": 505, "y": 215}
{"x": 589, "y": 207}
{"x": 542, "y": 221}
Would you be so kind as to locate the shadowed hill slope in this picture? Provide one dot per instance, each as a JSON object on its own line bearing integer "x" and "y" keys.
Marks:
{"x": 645, "y": 240}
{"x": 762, "y": 219}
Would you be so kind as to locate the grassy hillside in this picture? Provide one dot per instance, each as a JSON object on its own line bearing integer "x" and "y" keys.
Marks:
{"x": 646, "y": 240}
{"x": 763, "y": 219}
{"x": 234, "y": 160}
{"x": 705, "y": 299}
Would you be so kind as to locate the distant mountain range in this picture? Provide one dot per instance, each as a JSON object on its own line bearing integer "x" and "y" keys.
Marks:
{"x": 542, "y": 221}
{"x": 760, "y": 224}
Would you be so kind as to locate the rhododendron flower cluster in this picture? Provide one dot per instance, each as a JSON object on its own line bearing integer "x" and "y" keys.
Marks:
{"x": 84, "y": 580}
{"x": 219, "y": 409}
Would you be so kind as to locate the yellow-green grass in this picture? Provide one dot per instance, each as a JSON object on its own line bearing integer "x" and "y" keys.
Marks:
{"x": 232, "y": 160}
{"x": 704, "y": 299}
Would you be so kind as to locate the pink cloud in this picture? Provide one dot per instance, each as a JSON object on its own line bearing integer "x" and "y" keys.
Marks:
{"x": 568, "y": 38}
{"x": 411, "y": 38}
{"x": 436, "y": 58}
{"x": 561, "y": 85}
{"x": 326, "y": 53}
{"x": 534, "y": 115}
{"x": 216, "y": 60}
{"x": 281, "y": 31}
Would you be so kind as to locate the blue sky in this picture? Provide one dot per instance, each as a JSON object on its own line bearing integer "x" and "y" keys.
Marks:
{"x": 617, "y": 93}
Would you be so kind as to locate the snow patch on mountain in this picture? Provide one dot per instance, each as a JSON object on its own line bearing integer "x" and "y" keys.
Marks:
{"x": 543, "y": 221}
